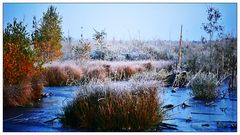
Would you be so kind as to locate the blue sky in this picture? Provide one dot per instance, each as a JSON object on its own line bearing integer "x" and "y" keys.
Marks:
{"x": 128, "y": 21}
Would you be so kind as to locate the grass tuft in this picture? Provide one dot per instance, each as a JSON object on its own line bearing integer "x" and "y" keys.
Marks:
{"x": 104, "y": 108}
{"x": 96, "y": 73}
{"x": 17, "y": 95}
{"x": 204, "y": 86}
{"x": 124, "y": 72}
{"x": 60, "y": 76}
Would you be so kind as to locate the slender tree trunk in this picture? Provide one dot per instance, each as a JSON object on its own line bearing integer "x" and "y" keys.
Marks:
{"x": 180, "y": 51}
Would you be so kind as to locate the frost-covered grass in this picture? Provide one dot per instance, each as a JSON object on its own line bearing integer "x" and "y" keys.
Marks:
{"x": 204, "y": 86}
{"x": 135, "y": 49}
{"x": 124, "y": 59}
{"x": 59, "y": 73}
{"x": 114, "y": 106}
{"x": 159, "y": 64}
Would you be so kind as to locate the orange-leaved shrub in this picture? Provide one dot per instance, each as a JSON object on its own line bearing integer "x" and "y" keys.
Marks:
{"x": 18, "y": 66}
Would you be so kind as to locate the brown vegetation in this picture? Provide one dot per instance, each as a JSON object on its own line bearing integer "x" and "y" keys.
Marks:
{"x": 37, "y": 82}
{"x": 123, "y": 72}
{"x": 58, "y": 76}
{"x": 148, "y": 66}
{"x": 96, "y": 73}
{"x": 103, "y": 108}
{"x": 22, "y": 61}
{"x": 17, "y": 95}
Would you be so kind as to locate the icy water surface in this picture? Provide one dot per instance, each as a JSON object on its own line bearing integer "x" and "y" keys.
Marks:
{"x": 218, "y": 117}
{"x": 35, "y": 118}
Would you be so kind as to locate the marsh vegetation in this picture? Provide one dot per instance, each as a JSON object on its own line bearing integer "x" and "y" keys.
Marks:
{"x": 120, "y": 82}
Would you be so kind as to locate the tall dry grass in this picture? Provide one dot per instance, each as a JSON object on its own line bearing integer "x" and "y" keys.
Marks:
{"x": 60, "y": 75}
{"x": 26, "y": 92}
{"x": 96, "y": 73}
{"x": 106, "y": 108}
{"x": 123, "y": 73}
{"x": 17, "y": 95}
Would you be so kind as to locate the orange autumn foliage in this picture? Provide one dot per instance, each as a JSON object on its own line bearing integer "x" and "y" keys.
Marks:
{"x": 17, "y": 66}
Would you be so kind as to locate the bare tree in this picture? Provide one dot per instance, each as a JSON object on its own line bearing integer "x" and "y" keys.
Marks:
{"x": 180, "y": 51}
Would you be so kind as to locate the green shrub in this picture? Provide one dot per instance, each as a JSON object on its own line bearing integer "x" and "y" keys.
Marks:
{"x": 106, "y": 109}
{"x": 204, "y": 86}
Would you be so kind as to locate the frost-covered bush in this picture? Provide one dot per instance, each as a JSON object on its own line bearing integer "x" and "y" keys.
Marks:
{"x": 81, "y": 51}
{"x": 121, "y": 108}
{"x": 204, "y": 86}
{"x": 196, "y": 58}
{"x": 137, "y": 55}
{"x": 98, "y": 55}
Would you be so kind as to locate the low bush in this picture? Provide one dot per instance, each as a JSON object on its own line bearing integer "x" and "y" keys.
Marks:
{"x": 104, "y": 108}
{"x": 19, "y": 86}
{"x": 98, "y": 55}
{"x": 204, "y": 86}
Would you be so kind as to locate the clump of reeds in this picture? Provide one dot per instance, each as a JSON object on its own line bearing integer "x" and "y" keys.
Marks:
{"x": 204, "y": 86}
{"x": 55, "y": 76}
{"x": 17, "y": 95}
{"x": 59, "y": 76}
{"x": 75, "y": 72}
{"x": 96, "y": 73}
{"x": 123, "y": 72}
{"x": 104, "y": 108}
{"x": 67, "y": 75}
